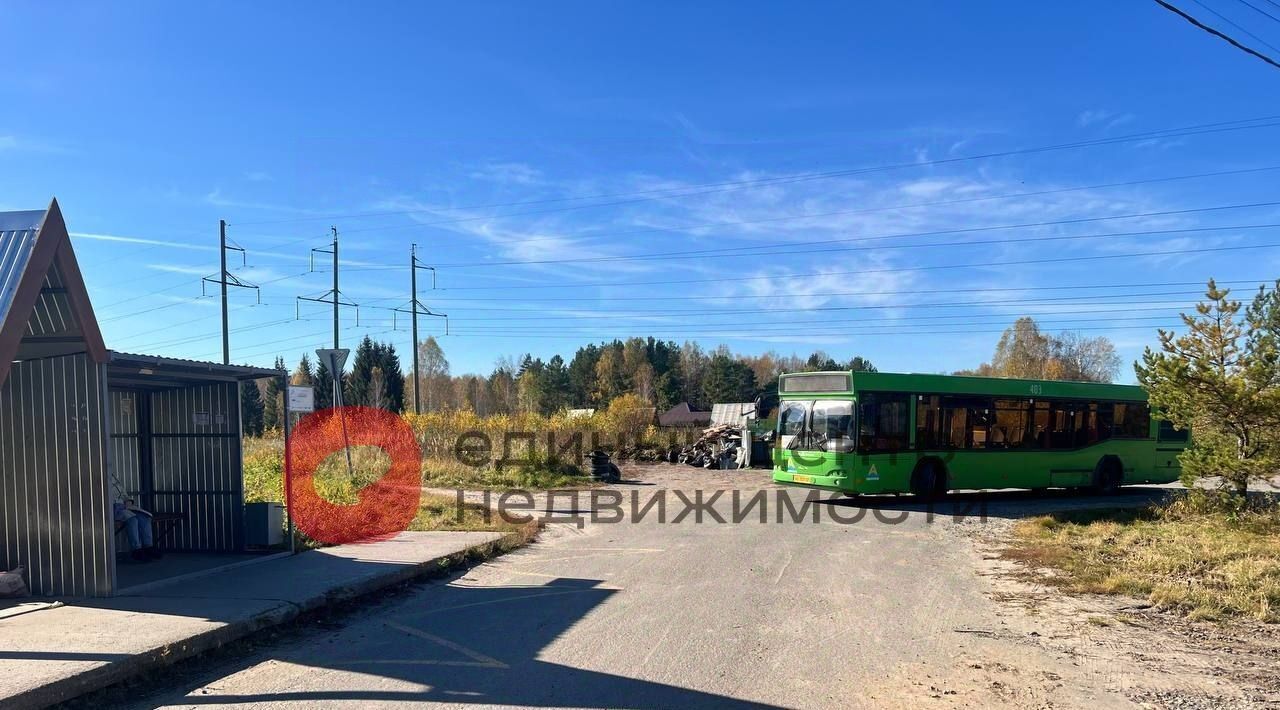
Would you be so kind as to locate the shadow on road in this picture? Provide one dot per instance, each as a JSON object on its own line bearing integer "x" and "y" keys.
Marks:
{"x": 1005, "y": 504}
{"x": 470, "y": 645}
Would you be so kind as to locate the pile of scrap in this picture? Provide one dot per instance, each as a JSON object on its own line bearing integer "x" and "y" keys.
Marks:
{"x": 718, "y": 447}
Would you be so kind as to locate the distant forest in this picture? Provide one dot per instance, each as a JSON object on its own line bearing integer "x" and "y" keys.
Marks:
{"x": 660, "y": 373}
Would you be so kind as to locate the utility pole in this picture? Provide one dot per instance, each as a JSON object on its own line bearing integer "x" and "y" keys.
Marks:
{"x": 222, "y": 253}
{"x": 225, "y": 279}
{"x": 417, "y": 309}
{"x": 336, "y": 294}
{"x": 334, "y": 229}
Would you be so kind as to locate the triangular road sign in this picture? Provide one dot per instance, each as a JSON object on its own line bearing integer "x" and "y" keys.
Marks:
{"x": 333, "y": 358}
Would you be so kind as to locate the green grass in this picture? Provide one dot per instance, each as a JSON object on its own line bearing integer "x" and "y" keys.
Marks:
{"x": 264, "y": 473}
{"x": 1194, "y": 555}
{"x": 264, "y": 481}
{"x": 536, "y": 474}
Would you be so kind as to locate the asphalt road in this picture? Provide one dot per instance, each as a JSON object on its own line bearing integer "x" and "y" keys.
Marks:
{"x": 887, "y": 611}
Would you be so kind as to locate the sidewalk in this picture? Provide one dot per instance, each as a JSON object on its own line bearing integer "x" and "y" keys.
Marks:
{"x": 55, "y": 654}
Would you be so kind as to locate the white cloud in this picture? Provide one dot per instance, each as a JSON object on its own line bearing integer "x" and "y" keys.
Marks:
{"x": 179, "y": 269}
{"x": 1103, "y": 117}
{"x": 141, "y": 240}
{"x": 508, "y": 173}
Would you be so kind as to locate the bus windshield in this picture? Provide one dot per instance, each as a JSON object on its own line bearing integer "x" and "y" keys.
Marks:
{"x": 823, "y": 425}
{"x": 833, "y": 425}
{"x": 792, "y": 423}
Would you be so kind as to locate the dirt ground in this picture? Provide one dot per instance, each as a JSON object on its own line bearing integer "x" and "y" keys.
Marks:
{"x": 1161, "y": 659}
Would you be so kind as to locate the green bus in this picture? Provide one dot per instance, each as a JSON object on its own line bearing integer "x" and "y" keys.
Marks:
{"x": 874, "y": 432}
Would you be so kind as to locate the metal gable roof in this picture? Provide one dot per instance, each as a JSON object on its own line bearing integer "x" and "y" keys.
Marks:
{"x": 17, "y": 240}
{"x": 44, "y": 308}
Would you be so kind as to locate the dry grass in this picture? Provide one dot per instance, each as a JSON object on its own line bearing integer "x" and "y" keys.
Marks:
{"x": 1192, "y": 555}
{"x": 264, "y": 474}
{"x": 540, "y": 474}
{"x": 438, "y": 512}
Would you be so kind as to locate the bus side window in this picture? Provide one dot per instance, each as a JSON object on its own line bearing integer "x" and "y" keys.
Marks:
{"x": 882, "y": 421}
{"x": 1168, "y": 433}
{"x": 1040, "y": 424}
{"x": 1010, "y": 430}
{"x": 927, "y": 422}
{"x": 1132, "y": 420}
{"x": 1106, "y": 416}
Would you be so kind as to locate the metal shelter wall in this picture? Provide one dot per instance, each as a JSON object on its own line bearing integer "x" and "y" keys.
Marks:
{"x": 178, "y": 451}
{"x": 54, "y": 505}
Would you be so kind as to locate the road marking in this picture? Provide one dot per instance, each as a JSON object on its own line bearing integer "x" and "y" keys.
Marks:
{"x": 523, "y": 597}
{"x": 478, "y": 660}
{"x": 621, "y": 549}
{"x": 527, "y": 574}
{"x": 660, "y": 644}
{"x": 783, "y": 571}
{"x": 589, "y": 555}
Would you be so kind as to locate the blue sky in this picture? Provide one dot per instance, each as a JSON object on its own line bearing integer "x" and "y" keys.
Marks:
{"x": 487, "y": 133}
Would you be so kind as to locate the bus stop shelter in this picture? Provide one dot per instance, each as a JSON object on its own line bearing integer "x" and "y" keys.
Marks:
{"x": 82, "y": 427}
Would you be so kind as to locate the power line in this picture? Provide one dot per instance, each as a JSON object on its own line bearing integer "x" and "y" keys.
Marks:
{"x": 772, "y": 277}
{"x": 1014, "y": 289}
{"x": 725, "y": 186}
{"x": 976, "y": 242}
{"x": 789, "y": 326}
{"x": 1023, "y": 303}
{"x": 753, "y": 250}
{"x": 1259, "y": 10}
{"x": 801, "y": 336}
{"x": 1216, "y": 33}
{"x": 186, "y": 281}
{"x": 579, "y": 238}
{"x": 663, "y": 319}
{"x": 1228, "y": 20}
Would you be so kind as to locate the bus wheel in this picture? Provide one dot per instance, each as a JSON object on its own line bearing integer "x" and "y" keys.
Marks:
{"x": 1107, "y": 476}
{"x": 929, "y": 481}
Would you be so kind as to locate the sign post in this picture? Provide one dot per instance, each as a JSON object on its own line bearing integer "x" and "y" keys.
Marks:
{"x": 300, "y": 399}
{"x": 335, "y": 359}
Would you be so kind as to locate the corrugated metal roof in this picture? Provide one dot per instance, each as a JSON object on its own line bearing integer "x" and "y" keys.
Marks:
{"x": 239, "y": 372}
{"x": 17, "y": 240}
{"x": 736, "y": 413}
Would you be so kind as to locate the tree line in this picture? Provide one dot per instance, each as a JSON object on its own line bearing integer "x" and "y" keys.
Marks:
{"x": 660, "y": 373}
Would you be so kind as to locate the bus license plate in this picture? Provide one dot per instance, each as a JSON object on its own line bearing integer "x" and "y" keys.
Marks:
{"x": 802, "y": 479}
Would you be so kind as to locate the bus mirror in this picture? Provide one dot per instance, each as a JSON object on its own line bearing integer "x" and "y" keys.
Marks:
{"x": 765, "y": 403}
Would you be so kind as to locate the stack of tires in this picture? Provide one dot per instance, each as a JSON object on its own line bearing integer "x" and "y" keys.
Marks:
{"x": 603, "y": 468}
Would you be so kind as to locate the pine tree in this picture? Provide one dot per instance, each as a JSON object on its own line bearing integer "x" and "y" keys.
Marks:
{"x": 728, "y": 380}
{"x": 1222, "y": 380}
{"x": 861, "y": 364}
{"x": 582, "y": 376}
{"x": 358, "y": 389}
{"x": 273, "y": 400}
{"x": 250, "y": 409}
{"x": 323, "y": 384}
{"x": 393, "y": 380}
{"x": 304, "y": 374}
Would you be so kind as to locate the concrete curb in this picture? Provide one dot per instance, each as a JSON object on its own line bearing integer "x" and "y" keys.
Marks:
{"x": 272, "y": 613}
